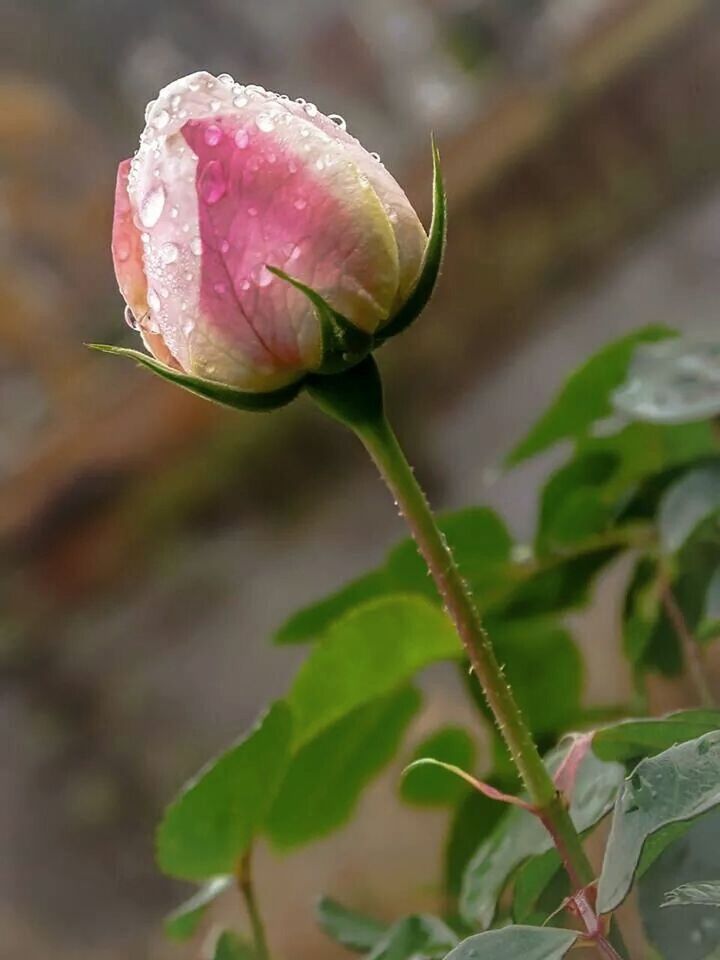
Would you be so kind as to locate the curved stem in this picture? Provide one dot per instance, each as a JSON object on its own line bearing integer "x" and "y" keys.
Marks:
{"x": 247, "y": 891}
{"x": 692, "y": 651}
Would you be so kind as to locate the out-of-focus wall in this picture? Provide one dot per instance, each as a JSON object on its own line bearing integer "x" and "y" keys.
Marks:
{"x": 148, "y": 543}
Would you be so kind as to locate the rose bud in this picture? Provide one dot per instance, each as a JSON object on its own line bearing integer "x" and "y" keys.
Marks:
{"x": 256, "y": 241}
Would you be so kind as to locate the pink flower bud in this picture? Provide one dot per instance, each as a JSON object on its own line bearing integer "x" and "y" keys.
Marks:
{"x": 228, "y": 181}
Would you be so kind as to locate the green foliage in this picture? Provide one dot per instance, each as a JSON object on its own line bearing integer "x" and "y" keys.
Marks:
{"x": 348, "y": 928}
{"x": 517, "y": 943}
{"x": 428, "y": 786}
{"x": 631, "y": 740}
{"x": 328, "y": 773}
{"x": 230, "y": 947}
{"x": 368, "y": 653}
{"x": 419, "y": 937}
{"x": 480, "y": 542}
{"x": 677, "y": 785}
{"x": 520, "y": 835}
{"x": 686, "y": 504}
{"x": 182, "y": 923}
{"x": 212, "y": 822}
{"x": 586, "y": 395}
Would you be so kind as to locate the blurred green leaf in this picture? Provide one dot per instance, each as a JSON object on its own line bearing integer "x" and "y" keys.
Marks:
{"x": 475, "y": 818}
{"x": 230, "y": 947}
{"x": 692, "y": 499}
{"x": 431, "y": 787}
{"x": 520, "y": 835}
{"x": 419, "y": 937}
{"x": 368, "y": 653}
{"x": 182, "y": 923}
{"x": 694, "y": 932}
{"x": 642, "y": 612}
{"x": 677, "y": 785}
{"x": 327, "y": 775}
{"x": 480, "y": 542}
{"x": 572, "y": 506}
{"x": 586, "y": 395}
{"x": 634, "y": 739}
{"x": 532, "y": 881}
{"x": 212, "y": 822}
{"x": 544, "y": 668}
{"x": 709, "y": 626}
{"x": 348, "y": 928}
{"x": 516, "y": 943}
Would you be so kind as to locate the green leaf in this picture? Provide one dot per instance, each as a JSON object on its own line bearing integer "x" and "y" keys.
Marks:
{"x": 212, "y": 822}
{"x": 327, "y": 775}
{"x": 366, "y": 654}
{"x": 563, "y": 584}
{"x": 230, "y": 947}
{"x": 348, "y": 928}
{"x": 689, "y": 934}
{"x": 432, "y": 260}
{"x": 572, "y": 505}
{"x": 631, "y": 740}
{"x": 586, "y": 395}
{"x": 642, "y": 615}
{"x": 520, "y": 835}
{"x": 700, "y": 894}
{"x": 481, "y": 544}
{"x": 672, "y": 382}
{"x": 221, "y": 393}
{"x": 516, "y": 943}
{"x": 686, "y": 504}
{"x": 429, "y": 786}
{"x": 182, "y": 923}
{"x": 532, "y": 881}
{"x": 419, "y": 937}
{"x": 709, "y": 626}
{"x": 474, "y": 819}
{"x": 544, "y": 668}
{"x": 677, "y": 785}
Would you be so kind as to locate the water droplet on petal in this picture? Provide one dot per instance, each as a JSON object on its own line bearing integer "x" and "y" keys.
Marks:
{"x": 168, "y": 252}
{"x": 320, "y": 164}
{"x": 131, "y": 319}
{"x": 213, "y": 135}
{"x": 224, "y": 246}
{"x": 375, "y": 156}
{"x": 338, "y": 120}
{"x": 215, "y": 105}
{"x": 122, "y": 250}
{"x": 265, "y": 123}
{"x": 153, "y": 299}
{"x": 148, "y": 109}
{"x": 240, "y": 102}
{"x": 220, "y": 288}
{"x": 226, "y": 79}
{"x": 174, "y": 212}
{"x": 196, "y": 246}
{"x": 175, "y": 102}
{"x": 311, "y": 110}
{"x": 252, "y": 211}
{"x": 301, "y": 101}
{"x": 213, "y": 184}
{"x": 152, "y": 206}
{"x": 300, "y": 203}
{"x": 262, "y": 276}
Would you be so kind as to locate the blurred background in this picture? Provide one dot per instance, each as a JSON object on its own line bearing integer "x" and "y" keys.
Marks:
{"x": 150, "y": 544}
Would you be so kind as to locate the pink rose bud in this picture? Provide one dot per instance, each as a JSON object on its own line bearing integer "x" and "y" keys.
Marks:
{"x": 231, "y": 180}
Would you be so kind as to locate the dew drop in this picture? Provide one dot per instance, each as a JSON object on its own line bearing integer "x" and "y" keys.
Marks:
{"x": 152, "y": 206}
{"x": 196, "y": 246}
{"x": 300, "y": 203}
{"x": 338, "y": 120}
{"x": 252, "y": 211}
{"x": 319, "y": 163}
{"x": 168, "y": 252}
{"x": 130, "y": 319}
{"x": 122, "y": 251}
{"x": 265, "y": 123}
{"x": 224, "y": 246}
{"x": 311, "y": 110}
{"x": 240, "y": 102}
{"x": 213, "y": 135}
{"x": 148, "y": 109}
{"x": 174, "y": 213}
{"x": 262, "y": 276}
{"x": 375, "y": 156}
{"x": 215, "y": 105}
{"x": 301, "y": 101}
{"x": 188, "y": 276}
{"x": 226, "y": 79}
{"x": 241, "y": 139}
{"x": 212, "y": 184}
{"x": 220, "y": 288}
{"x": 175, "y": 102}
{"x": 153, "y": 299}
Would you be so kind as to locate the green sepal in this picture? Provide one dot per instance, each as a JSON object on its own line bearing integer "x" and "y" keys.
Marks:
{"x": 221, "y": 393}
{"x": 432, "y": 260}
{"x": 343, "y": 344}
